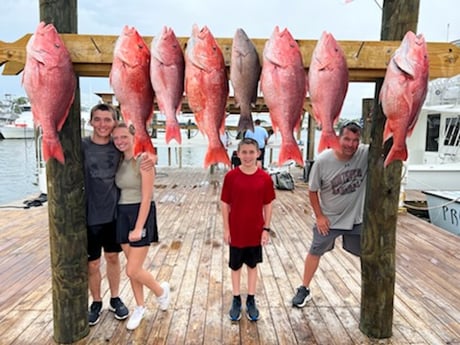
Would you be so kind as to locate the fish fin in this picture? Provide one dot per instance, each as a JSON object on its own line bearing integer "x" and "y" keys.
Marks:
{"x": 52, "y": 148}
{"x": 396, "y": 154}
{"x": 387, "y": 132}
{"x": 290, "y": 151}
{"x": 173, "y": 132}
{"x": 405, "y": 64}
{"x": 215, "y": 155}
{"x": 328, "y": 140}
{"x": 143, "y": 144}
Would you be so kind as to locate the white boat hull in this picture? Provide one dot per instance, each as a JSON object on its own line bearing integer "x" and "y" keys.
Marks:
{"x": 433, "y": 176}
{"x": 15, "y": 132}
{"x": 444, "y": 209}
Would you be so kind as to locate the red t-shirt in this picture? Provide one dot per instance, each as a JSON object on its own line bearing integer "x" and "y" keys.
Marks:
{"x": 247, "y": 195}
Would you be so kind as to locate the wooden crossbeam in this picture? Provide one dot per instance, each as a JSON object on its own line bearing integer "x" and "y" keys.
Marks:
{"x": 367, "y": 60}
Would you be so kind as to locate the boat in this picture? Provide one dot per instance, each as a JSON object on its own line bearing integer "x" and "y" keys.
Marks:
{"x": 444, "y": 209}
{"x": 22, "y": 127}
{"x": 434, "y": 146}
{"x": 8, "y": 110}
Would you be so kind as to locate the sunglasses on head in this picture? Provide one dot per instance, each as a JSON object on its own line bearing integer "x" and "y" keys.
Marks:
{"x": 347, "y": 124}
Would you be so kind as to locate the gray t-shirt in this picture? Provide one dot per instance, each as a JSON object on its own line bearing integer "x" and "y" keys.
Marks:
{"x": 341, "y": 187}
{"x": 100, "y": 165}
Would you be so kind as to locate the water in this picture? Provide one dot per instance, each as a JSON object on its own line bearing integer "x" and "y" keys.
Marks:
{"x": 18, "y": 173}
{"x": 18, "y": 169}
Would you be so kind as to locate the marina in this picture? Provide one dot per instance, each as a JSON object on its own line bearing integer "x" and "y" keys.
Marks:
{"x": 192, "y": 257}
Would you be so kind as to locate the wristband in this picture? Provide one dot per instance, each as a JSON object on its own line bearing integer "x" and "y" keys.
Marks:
{"x": 266, "y": 229}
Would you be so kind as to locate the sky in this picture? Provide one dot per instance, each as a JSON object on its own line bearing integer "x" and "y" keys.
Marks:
{"x": 439, "y": 21}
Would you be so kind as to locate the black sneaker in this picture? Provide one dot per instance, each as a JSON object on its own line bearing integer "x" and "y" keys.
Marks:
{"x": 251, "y": 310}
{"x": 94, "y": 313}
{"x": 235, "y": 311}
{"x": 302, "y": 296}
{"x": 119, "y": 308}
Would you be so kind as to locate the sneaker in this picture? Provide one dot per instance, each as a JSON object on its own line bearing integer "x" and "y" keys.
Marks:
{"x": 251, "y": 310}
{"x": 164, "y": 299}
{"x": 94, "y": 313}
{"x": 302, "y": 296}
{"x": 119, "y": 308}
{"x": 235, "y": 310}
{"x": 136, "y": 318}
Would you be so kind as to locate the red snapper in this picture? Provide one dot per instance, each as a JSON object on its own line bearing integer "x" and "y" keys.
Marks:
{"x": 130, "y": 80}
{"x": 403, "y": 92}
{"x": 49, "y": 81}
{"x": 284, "y": 86}
{"x": 206, "y": 87}
{"x": 167, "y": 76}
{"x": 328, "y": 85}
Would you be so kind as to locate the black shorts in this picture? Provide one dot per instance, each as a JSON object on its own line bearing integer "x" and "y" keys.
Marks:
{"x": 250, "y": 256}
{"x": 126, "y": 220}
{"x": 262, "y": 155}
{"x": 102, "y": 236}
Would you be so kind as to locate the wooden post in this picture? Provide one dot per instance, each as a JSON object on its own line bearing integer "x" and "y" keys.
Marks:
{"x": 66, "y": 207}
{"x": 311, "y": 137}
{"x": 154, "y": 126}
{"x": 189, "y": 123}
{"x": 381, "y": 206}
{"x": 366, "y": 116}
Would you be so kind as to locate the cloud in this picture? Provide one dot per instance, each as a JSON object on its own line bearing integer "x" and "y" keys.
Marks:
{"x": 358, "y": 20}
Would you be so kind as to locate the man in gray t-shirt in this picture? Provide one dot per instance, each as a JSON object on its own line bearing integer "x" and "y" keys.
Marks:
{"x": 337, "y": 190}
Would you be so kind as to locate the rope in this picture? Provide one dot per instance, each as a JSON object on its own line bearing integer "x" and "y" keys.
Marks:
{"x": 431, "y": 208}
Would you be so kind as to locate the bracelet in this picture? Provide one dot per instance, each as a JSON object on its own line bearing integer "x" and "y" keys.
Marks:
{"x": 266, "y": 229}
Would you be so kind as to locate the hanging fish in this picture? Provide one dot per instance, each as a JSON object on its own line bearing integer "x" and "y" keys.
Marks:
{"x": 130, "y": 80}
{"x": 49, "y": 81}
{"x": 167, "y": 76}
{"x": 244, "y": 75}
{"x": 403, "y": 92}
{"x": 284, "y": 86}
{"x": 206, "y": 87}
{"x": 328, "y": 86}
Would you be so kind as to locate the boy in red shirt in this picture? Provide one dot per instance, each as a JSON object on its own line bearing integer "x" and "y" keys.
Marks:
{"x": 246, "y": 199}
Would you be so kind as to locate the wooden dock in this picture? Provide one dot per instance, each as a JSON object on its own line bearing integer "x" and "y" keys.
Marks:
{"x": 191, "y": 255}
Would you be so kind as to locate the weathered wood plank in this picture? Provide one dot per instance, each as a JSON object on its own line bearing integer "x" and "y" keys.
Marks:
{"x": 367, "y": 60}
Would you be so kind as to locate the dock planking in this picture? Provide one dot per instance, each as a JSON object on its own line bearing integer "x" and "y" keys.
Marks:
{"x": 191, "y": 255}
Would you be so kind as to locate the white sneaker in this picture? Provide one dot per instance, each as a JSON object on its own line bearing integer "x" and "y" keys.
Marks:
{"x": 164, "y": 299}
{"x": 136, "y": 318}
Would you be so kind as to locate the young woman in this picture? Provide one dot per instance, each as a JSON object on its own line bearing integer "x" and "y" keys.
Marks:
{"x": 136, "y": 222}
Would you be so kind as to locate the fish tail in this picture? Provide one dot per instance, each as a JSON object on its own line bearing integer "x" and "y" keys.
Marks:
{"x": 396, "y": 154}
{"x": 143, "y": 145}
{"x": 173, "y": 132}
{"x": 290, "y": 151}
{"x": 245, "y": 121}
{"x": 217, "y": 154}
{"x": 328, "y": 140}
{"x": 52, "y": 148}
